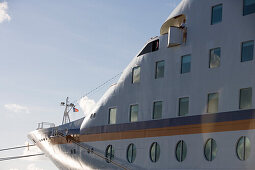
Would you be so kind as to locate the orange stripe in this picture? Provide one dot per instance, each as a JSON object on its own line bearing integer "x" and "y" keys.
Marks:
{"x": 167, "y": 131}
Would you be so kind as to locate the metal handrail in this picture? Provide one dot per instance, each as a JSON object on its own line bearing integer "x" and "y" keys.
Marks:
{"x": 42, "y": 124}
{"x": 70, "y": 138}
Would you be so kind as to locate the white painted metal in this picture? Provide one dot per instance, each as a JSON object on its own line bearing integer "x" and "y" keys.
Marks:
{"x": 228, "y": 79}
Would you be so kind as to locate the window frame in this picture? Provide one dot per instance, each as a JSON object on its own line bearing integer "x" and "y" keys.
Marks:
{"x": 153, "y": 108}
{"x": 155, "y": 48}
{"x": 156, "y": 64}
{"x": 149, "y": 47}
{"x": 109, "y": 115}
{"x": 210, "y": 58}
{"x": 207, "y": 109}
{"x": 183, "y": 143}
{"x": 157, "y": 146}
{"x": 179, "y": 104}
{"x": 132, "y": 81}
{"x": 211, "y": 149}
{"x": 247, "y": 13}
{"x": 133, "y": 155}
{"x": 244, "y": 148}
{"x": 240, "y": 98}
{"x": 212, "y": 13}
{"x": 135, "y": 104}
{"x": 108, "y": 160}
{"x": 182, "y": 63}
{"x": 242, "y": 51}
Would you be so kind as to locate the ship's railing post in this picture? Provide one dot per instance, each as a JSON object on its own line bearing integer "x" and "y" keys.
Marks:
{"x": 42, "y": 124}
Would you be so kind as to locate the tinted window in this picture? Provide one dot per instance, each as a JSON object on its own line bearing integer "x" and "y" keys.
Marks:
{"x": 212, "y": 105}
{"x": 150, "y": 47}
{"x": 109, "y": 153}
{"x": 134, "y": 113}
{"x": 243, "y": 148}
{"x": 210, "y": 149}
{"x": 248, "y": 7}
{"x": 181, "y": 151}
{"x": 245, "y": 98}
{"x": 214, "y": 58}
{"x": 160, "y": 67}
{"x": 185, "y": 64}
{"x": 155, "y": 45}
{"x": 112, "y": 115}
{"x": 131, "y": 153}
{"x": 136, "y": 75}
{"x": 216, "y": 14}
{"x": 247, "y": 51}
{"x": 154, "y": 152}
{"x": 183, "y": 106}
{"x": 157, "y": 110}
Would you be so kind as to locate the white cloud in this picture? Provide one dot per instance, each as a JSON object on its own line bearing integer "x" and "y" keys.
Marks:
{"x": 3, "y": 12}
{"x": 32, "y": 166}
{"x": 14, "y": 169}
{"x": 87, "y": 105}
{"x": 16, "y": 108}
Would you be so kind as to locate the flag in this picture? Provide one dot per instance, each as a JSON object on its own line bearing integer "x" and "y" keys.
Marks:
{"x": 75, "y": 110}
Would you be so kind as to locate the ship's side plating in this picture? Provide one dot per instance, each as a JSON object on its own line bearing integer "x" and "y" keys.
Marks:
{"x": 59, "y": 154}
{"x": 225, "y": 127}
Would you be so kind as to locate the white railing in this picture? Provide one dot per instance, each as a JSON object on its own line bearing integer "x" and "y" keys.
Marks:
{"x": 44, "y": 125}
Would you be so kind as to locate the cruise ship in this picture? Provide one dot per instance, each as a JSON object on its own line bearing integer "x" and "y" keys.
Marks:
{"x": 185, "y": 101}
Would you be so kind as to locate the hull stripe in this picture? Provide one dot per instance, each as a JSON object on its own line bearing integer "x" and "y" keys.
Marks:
{"x": 171, "y": 131}
{"x": 220, "y": 122}
{"x": 173, "y": 122}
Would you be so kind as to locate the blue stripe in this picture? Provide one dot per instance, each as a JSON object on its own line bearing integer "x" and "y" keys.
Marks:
{"x": 172, "y": 122}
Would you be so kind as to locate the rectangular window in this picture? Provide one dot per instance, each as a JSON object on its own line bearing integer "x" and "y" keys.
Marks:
{"x": 112, "y": 115}
{"x": 248, "y": 7}
{"x": 185, "y": 64}
{"x": 157, "y": 110}
{"x": 136, "y": 75}
{"x": 245, "y": 99}
{"x": 183, "y": 106}
{"x": 175, "y": 36}
{"x": 212, "y": 104}
{"x": 247, "y": 51}
{"x": 160, "y": 67}
{"x": 214, "y": 58}
{"x": 134, "y": 113}
{"x": 216, "y": 14}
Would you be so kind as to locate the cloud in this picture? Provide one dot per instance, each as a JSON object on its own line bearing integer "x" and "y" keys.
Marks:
{"x": 3, "y": 12}
{"x": 87, "y": 105}
{"x": 17, "y": 108}
{"x": 32, "y": 166}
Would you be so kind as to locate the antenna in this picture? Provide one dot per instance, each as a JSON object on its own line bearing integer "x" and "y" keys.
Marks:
{"x": 68, "y": 107}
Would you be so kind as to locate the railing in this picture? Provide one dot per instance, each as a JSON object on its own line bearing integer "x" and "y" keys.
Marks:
{"x": 89, "y": 150}
{"x": 44, "y": 125}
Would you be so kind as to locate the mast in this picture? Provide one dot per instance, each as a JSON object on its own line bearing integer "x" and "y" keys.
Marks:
{"x": 68, "y": 107}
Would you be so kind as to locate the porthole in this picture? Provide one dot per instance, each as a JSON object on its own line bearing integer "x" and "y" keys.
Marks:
{"x": 181, "y": 151}
{"x": 131, "y": 153}
{"x": 210, "y": 149}
{"x": 109, "y": 153}
{"x": 154, "y": 152}
{"x": 243, "y": 148}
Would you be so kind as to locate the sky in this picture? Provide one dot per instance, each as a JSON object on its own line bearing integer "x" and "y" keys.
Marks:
{"x": 53, "y": 49}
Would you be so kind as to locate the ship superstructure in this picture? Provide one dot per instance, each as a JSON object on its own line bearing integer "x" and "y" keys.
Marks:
{"x": 186, "y": 100}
